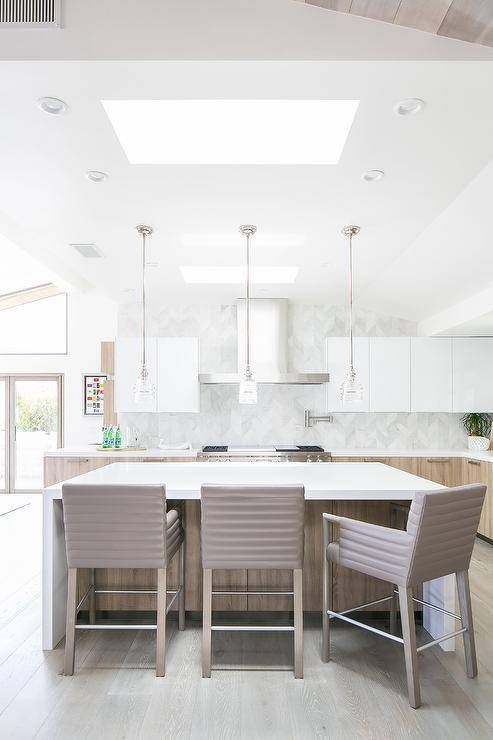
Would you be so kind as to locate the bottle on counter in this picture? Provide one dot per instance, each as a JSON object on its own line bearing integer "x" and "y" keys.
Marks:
{"x": 111, "y": 436}
{"x": 118, "y": 438}
{"x": 105, "y": 437}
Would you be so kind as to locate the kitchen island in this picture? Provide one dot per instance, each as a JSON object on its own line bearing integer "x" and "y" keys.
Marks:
{"x": 359, "y": 490}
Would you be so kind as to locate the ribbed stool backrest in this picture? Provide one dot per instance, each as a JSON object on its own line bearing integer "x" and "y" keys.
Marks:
{"x": 115, "y": 526}
{"x": 444, "y": 525}
{"x": 258, "y": 526}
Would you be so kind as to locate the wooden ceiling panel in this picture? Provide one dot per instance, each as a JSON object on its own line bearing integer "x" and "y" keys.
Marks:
{"x": 380, "y": 10}
{"x": 422, "y": 14}
{"x": 340, "y": 5}
{"x": 467, "y": 20}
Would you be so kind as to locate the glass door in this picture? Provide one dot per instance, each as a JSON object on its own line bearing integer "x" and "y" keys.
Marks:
{"x": 36, "y": 412}
{"x": 3, "y": 434}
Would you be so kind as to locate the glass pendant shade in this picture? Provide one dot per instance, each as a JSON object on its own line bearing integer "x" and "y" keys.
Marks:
{"x": 248, "y": 389}
{"x": 143, "y": 390}
{"x": 351, "y": 389}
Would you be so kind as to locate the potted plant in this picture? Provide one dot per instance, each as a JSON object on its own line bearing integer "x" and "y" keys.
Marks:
{"x": 478, "y": 427}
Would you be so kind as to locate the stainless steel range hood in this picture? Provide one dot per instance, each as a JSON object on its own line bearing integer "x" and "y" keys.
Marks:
{"x": 268, "y": 346}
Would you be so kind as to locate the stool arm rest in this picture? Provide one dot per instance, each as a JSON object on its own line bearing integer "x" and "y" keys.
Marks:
{"x": 351, "y": 526}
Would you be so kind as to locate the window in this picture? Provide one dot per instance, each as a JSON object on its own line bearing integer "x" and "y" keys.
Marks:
{"x": 31, "y": 422}
{"x": 34, "y": 321}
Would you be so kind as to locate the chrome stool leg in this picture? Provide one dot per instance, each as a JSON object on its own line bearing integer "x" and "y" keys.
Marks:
{"x": 92, "y": 597}
{"x": 207, "y": 623}
{"x": 161, "y": 623}
{"x": 181, "y": 598}
{"x": 466, "y": 619}
{"x": 298, "y": 622}
{"x": 68, "y": 666}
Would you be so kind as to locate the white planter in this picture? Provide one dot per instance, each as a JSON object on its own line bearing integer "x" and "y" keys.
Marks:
{"x": 478, "y": 443}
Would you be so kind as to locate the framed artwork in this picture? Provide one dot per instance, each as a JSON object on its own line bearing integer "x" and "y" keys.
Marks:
{"x": 94, "y": 386}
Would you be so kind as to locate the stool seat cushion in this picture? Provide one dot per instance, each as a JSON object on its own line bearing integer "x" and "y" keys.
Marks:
{"x": 174, "y": 532}
{"x": 332, "y": 552}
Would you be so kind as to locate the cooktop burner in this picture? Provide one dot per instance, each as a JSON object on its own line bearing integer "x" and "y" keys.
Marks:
{"x": 257, "y": 449}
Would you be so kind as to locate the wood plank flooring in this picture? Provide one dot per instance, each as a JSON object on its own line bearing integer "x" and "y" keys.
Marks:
{"x": 361, "y": 693}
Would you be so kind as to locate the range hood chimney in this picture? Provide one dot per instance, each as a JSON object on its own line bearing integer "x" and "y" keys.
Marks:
{"x": 268, "y": 346}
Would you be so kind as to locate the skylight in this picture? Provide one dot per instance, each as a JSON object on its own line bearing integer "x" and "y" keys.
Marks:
{"x": 236, "y": 274}
{"x": 305, "y": 132}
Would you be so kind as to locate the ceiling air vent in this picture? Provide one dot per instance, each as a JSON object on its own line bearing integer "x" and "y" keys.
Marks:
{"x": 30, "y": 13}
{"x": 89, "y": 251}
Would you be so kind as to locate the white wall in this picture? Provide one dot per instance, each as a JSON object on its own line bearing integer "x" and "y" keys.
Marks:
{"x": 91, "y": 320}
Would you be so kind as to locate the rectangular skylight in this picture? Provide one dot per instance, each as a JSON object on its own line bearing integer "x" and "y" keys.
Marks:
{"x": 236, "y": 274}
{"x": 305, "y": 132}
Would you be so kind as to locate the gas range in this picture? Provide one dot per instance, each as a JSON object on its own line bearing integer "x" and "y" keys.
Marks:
{"x": 241, "y": 453}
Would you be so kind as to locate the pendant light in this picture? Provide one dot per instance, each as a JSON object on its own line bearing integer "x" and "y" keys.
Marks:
{"x": 351, "y": 389}
{"x": 143, "y": 389}
{"x": 248, "y": 386}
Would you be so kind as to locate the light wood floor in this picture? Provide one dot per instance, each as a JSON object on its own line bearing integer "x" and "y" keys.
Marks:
{"x": 360, "y": 694}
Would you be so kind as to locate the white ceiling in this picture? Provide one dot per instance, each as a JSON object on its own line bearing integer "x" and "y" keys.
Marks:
{"x": 46, "y": 203}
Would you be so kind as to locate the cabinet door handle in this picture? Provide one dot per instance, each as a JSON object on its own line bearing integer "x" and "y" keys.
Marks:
{"x": 438, "y": 459}
{"x": 474, "y": 462}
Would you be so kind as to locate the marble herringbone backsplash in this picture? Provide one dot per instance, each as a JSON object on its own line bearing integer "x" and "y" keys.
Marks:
{"x": 278, "y": 415}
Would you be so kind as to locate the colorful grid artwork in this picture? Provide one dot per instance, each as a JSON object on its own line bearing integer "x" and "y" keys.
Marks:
{"x": 94, "y": 395}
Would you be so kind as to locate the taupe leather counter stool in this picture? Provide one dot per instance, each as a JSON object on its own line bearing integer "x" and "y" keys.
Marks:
{"x": 252, "y": 527}
{"x": 121, "y": 526}
{"x": 439, "y": 539}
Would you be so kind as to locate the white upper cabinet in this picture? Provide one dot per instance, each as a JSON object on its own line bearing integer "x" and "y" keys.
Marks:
{"x": 128, "y": 360}
{"x": 337, "y": 359}
{"x": 472, "y": 374}
{"x": 431, "y": 374}
{"x": 173, "y": 364}
{"x": 178, "y": 370}
{"x": 390, "y": 373}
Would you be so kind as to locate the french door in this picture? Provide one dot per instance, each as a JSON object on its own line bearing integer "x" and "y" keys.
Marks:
{"x": 31, "y": 414}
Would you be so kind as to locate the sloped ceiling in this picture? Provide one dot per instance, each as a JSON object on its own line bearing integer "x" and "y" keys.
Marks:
{"x": 467, "y": 20}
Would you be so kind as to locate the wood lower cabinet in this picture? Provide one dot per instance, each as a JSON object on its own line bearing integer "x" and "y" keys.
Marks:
{"x": 475, "y": 471}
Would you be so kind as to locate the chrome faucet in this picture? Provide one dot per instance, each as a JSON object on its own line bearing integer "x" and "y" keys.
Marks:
{"x": 311, "y": 419}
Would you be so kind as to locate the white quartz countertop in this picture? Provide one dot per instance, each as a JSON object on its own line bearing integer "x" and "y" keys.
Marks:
{"x": 94, "y": 452}
{"x": 322, "y": 481}
{"x": 82, "y": 452}
{"x": 431, "y": 453}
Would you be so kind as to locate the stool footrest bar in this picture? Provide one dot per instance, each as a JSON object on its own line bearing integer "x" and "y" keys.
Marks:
{"x": 440, "y": 639}
{"x": 115, "y": 627}
{"x": 253, "y": 593}
{"x": 376, "y": 631}
{"x": 246, "y": 628}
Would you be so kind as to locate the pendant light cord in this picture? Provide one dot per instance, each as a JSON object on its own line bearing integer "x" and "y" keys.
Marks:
{"x": 248, "y": 371}
{"x": 143, "y": 299}
{"x": 351, "y": 367}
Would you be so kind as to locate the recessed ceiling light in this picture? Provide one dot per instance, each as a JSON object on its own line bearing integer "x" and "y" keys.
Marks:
{"x": 232, "y": 131}
{"x": 89, "y": 251}
{"x": 53, "y": 106}
{"x": 236, "y": 274}
{"x": 372, "y": 175}
{"x": 409, "y": 107}
{"x": 96, "y": 176}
